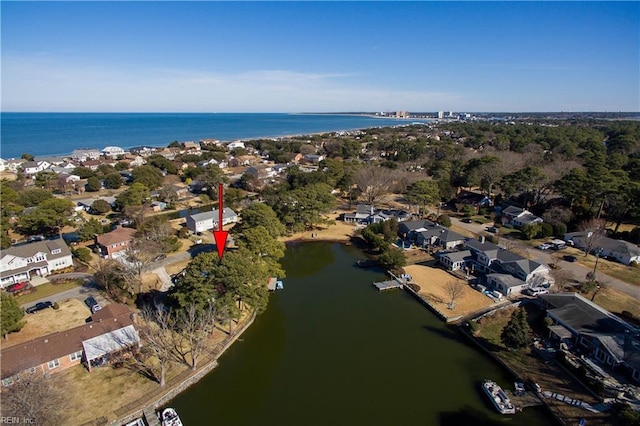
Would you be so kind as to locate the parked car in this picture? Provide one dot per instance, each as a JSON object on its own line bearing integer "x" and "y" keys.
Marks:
{"x": 492, "y": 229}
{"x": 467, "y": 220}
{"x": 544, "y": 246}
{"x": 569, "y": 258}
{"x": 92, "y": 304}
{"x": 14, "y": 288}
{"x": 159, "y": 257}
{"x": 39, "y": 306}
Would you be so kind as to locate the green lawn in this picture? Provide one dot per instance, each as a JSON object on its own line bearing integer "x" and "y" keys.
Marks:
{"x": 46, "y": 290}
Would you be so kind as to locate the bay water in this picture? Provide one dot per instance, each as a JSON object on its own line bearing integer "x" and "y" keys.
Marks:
{"x": 332, "y": 350}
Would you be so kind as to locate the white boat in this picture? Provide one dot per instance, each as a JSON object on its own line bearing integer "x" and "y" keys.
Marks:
{"x": 498, "y": 397}
{"x": 169, "y": 417}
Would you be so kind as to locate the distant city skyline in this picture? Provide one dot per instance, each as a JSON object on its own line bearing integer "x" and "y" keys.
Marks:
{"x": 320, "y": 56}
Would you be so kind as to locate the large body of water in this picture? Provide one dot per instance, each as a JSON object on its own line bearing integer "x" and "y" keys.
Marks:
{"x": 48, "y": 134}
{"x": 332, "y": 350}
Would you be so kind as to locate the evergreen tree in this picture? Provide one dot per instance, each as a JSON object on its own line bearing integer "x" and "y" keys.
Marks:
{"x": 515, "y": 335}
{"x": 11, "y": 314}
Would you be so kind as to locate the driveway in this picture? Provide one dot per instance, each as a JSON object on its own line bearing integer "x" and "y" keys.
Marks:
{"x": 82, "y": 292}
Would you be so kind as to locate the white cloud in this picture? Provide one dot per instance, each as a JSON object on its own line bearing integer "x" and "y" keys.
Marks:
{"x": 45, "y": 84}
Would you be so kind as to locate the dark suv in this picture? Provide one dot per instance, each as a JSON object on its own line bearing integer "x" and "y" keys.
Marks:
{"x": 91, "y": 303}
{"x": 39, "y": 306}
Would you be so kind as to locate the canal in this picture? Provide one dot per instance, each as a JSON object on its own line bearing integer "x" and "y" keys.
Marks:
{"x": 332, "y": 350}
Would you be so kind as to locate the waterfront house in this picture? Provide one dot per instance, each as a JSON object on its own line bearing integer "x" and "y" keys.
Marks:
{"x": 366, "y": 213}
{"x": 113, "y": 151}
{"x": 39, "y": 258}
{"x": 437, "y": 236}
{"x": 456, "y": 260}
{"x": 110, "y": 332}
{"x": 31, "y": 168}
{"x": 236, "y": 144}
{"x": 605, "y": 337}
{"x": 83, "y": 155}
{"x": 205, "y": 221}
{"x": 518, "y": 217}
{"x": 619, "y": 250}
{"x": 191, "y": 146}
{"x": 14, "y": 165}
{"x": 115, "y": 243}
{"x": 506, "y": 284}
{"x": 3, "y": 165}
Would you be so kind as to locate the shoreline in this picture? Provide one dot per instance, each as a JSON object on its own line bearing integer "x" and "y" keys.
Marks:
{"x": 65, "y": 155}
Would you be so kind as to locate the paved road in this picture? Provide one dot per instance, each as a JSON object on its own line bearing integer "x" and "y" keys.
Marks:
{"x": 545, "y": 256}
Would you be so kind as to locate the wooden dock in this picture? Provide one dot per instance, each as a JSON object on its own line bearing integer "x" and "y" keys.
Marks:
{"x": 529, "y": 399}
{"x": 388, "y": 285}
{"x": 151, "y": 417}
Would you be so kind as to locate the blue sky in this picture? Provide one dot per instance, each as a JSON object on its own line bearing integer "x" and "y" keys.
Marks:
{"x": 320, "y": 56}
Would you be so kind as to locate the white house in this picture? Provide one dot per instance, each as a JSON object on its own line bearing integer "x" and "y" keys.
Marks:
{"x": 14, "y": 165}
{"x": 3, "y": 165}
{"x": 236, "y": 144}
{"x": 518, "y": 217}
{"x": 20, "y": 262}
{"x": 201, "y": 222}
{"x": 83, "y": 155}
{"x": 34, "y": 167}
{"x": 113, "y": 151}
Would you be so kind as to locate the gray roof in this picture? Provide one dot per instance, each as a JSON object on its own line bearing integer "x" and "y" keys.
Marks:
{"x": 443, "y": 234}
{"x": 513, "y": 210}
{"x": 507, "y": 280}
{"x": 583, "y": 315}
{"x": 213, "y": 214}
{"x": 620, "y": 246}
{"x": 412, "y": 225}
{"x": 457, "y": 256}
{"x": 46, "y": 246}
{"x": 525, "y": 265}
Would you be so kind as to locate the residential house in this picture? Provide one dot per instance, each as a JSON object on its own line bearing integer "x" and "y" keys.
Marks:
{"x": 313, "y": 158}
{"x": 86, "y": 203}
{"x": 205, "y": 221}
{"x": 110, "y": 332}
{"x": 83, "y": 155}
{"x": 407, "y": 227}
{"x": 475, "y": 199}
{"x": 368, "y": 214}
{"x": 14, "y": 165}
{"x": 92, "y": 164}
{"x": 437, "y": 236}
{"x": 507, "y": 272}
{"x": 210, "y": 142}
{"x": 456, "y": 260}
{"x": 506, "y": 284}
{"x": 606, "y": 338}
{"x": 158, "y": 206}
{"x": 620, "y": 250}
{"x": 261, "y": 172}
{"x": 518, "y": 217}
{"x": 113, "y": 151}
{"x": 115, "y": 243}
{"x": 3, "y": 165}
{"x": 191, "y": 146}
{"x": 236, "y": 144}
{"x": 40, "y": 258}
{"x": 34, "y": 167}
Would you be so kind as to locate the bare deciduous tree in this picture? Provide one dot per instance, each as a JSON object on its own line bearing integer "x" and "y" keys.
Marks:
{"x": 33, "y": 398}
{"x": 373, "y": 182}
{"x": 594, "y": 230}
{"x": 154, "y": 358}
{"x": 194, "y": 328}
{"x": 562, "y": 278}
{"x": 455, "y": 290}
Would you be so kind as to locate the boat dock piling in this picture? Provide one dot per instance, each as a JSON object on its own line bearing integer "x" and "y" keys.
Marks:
{"x": 388, "y": 285}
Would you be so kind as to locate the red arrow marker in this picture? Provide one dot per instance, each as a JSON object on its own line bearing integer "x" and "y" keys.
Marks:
{"x": 220, "y": 236}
